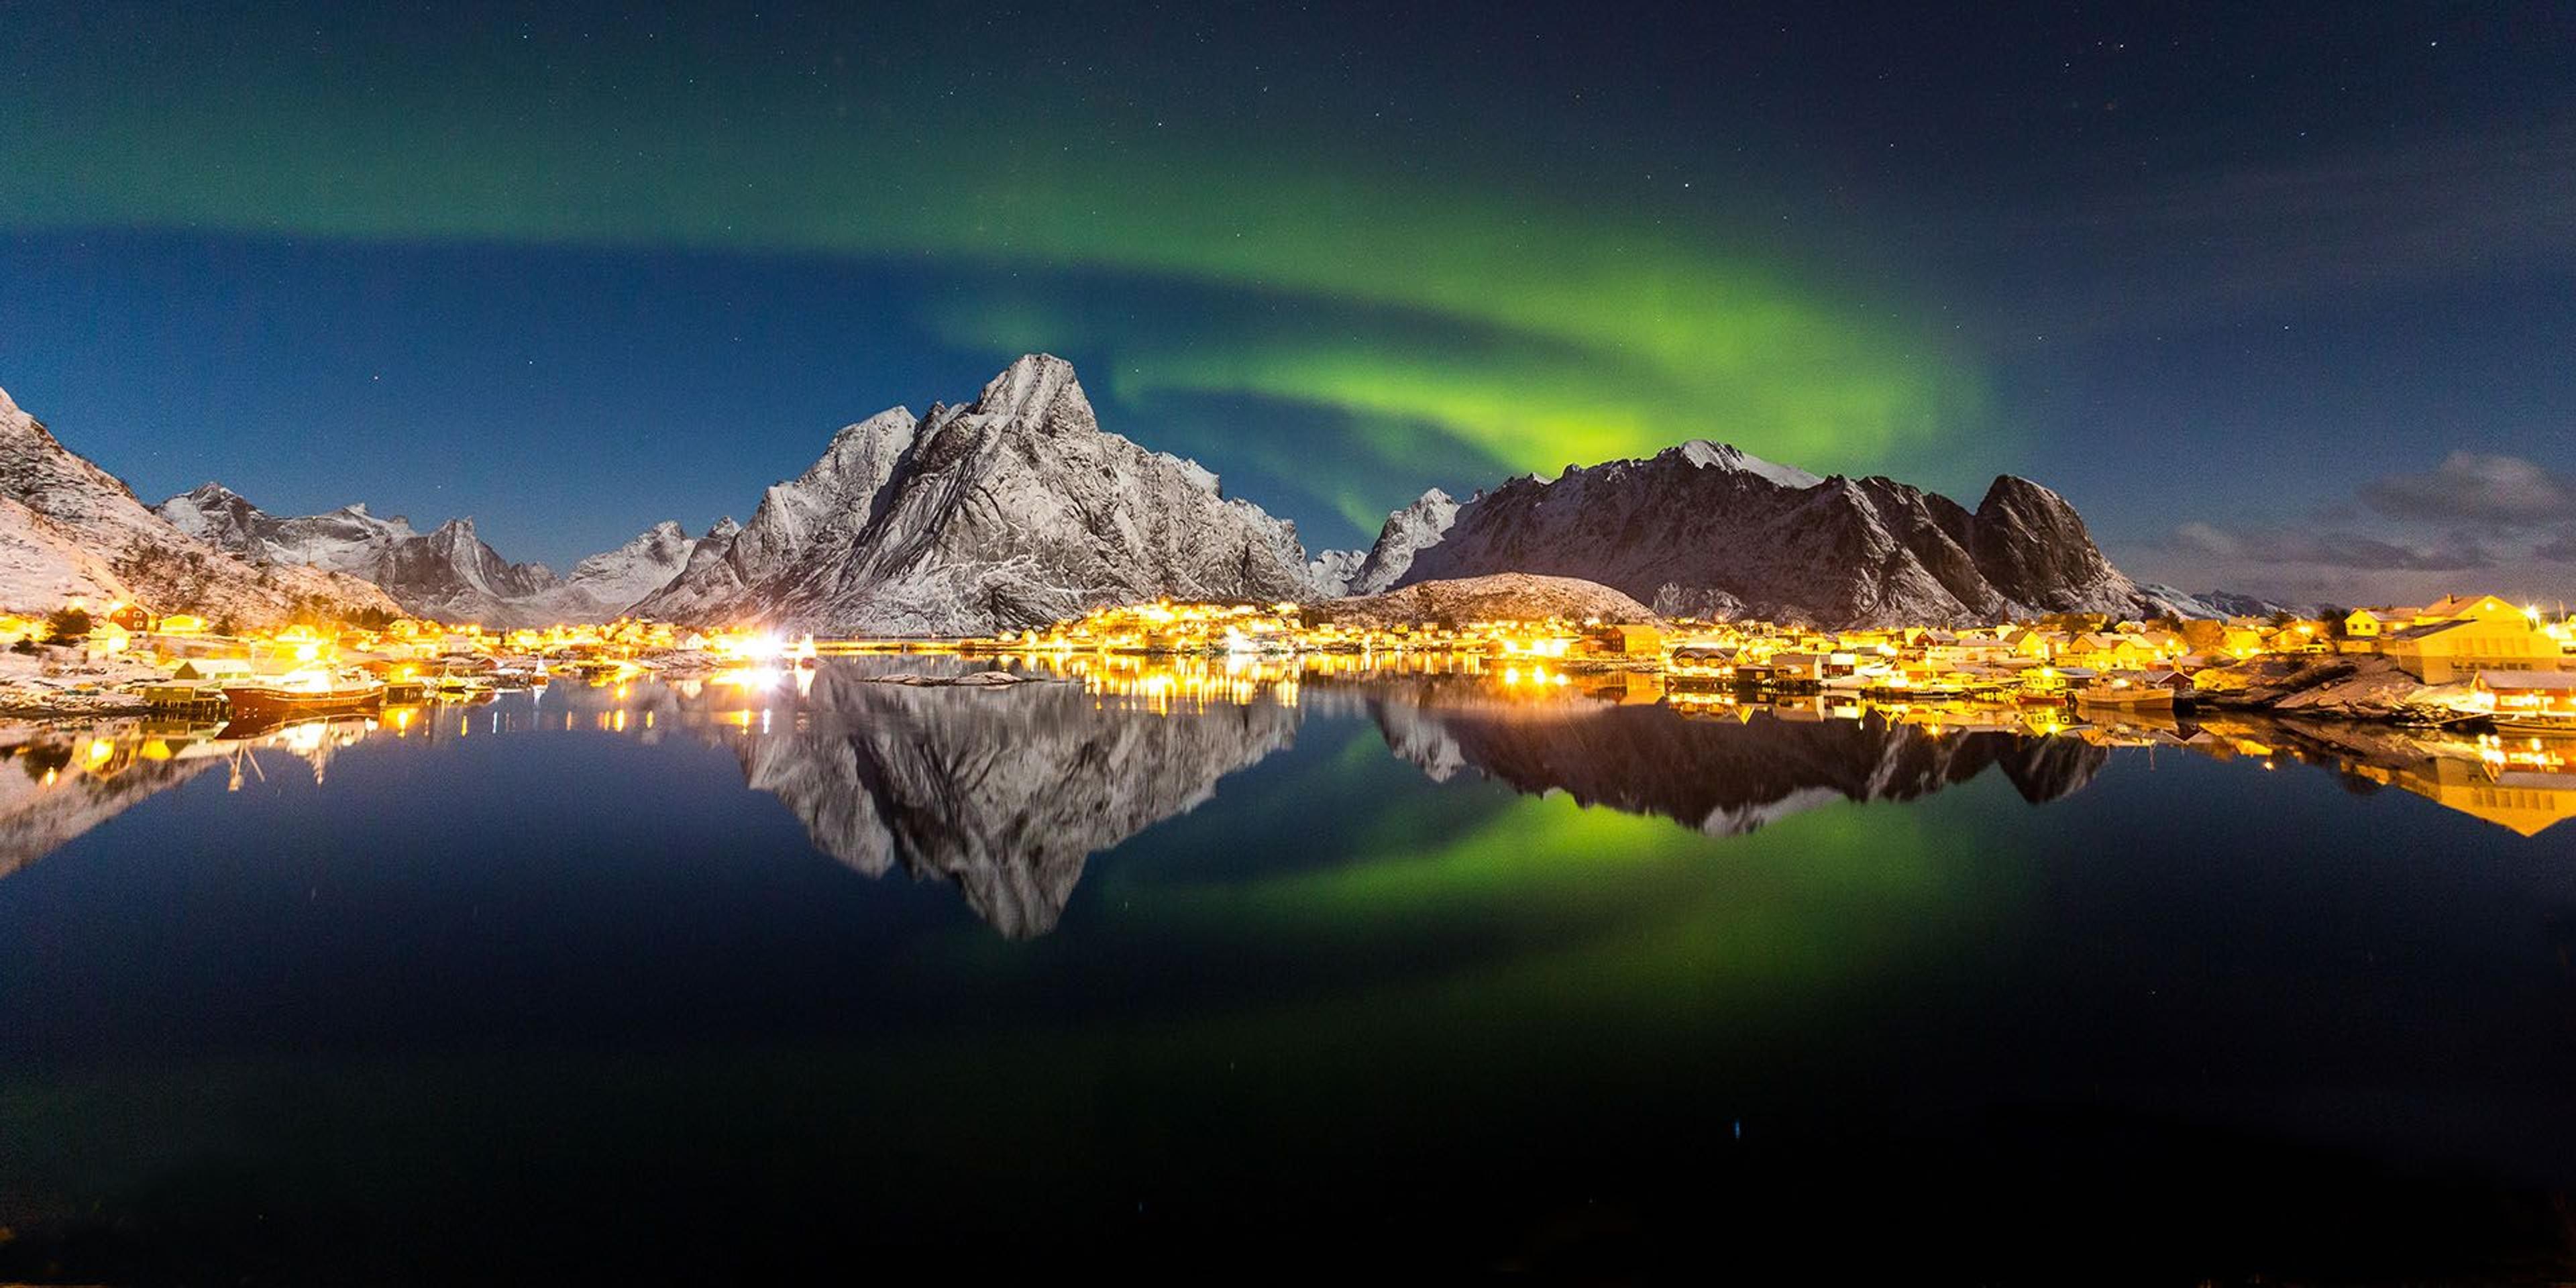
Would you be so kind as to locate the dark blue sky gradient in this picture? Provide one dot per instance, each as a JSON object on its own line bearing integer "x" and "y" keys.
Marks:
{"x": 2211, "y": 273}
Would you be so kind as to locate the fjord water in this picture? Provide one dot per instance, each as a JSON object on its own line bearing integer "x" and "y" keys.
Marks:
{"x": 1254, "y": 974}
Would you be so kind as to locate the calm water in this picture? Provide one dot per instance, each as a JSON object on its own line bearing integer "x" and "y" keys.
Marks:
{"x": 1229, "y": 974}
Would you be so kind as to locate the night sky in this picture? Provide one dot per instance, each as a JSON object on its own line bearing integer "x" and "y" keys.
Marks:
{"x": 2280, "y": 297}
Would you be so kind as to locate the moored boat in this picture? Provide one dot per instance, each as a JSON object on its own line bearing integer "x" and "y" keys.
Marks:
{"x": 302, "y": 692}
{"x": 2126, "y": 697}
{"x": 2535, "y": 722}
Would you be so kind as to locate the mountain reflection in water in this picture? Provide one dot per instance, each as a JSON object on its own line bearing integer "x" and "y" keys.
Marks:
{"x": 1006, "y": 793}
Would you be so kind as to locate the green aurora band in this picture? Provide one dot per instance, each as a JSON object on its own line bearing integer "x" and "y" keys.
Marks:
{"x": 1533, "y": 329}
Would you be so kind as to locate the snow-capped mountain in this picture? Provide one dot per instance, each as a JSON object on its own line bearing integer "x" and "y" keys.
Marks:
{"x": 449, "y": 573}
{"x": 1406, "y": 533}
{"x": 833, "y": 500}
{"x": 1014, "y": 510}
{"x": 606, "y": 584}
{"x": 93, "y": 527}
{"x": 1707, "y": 530}
{"x": 2228, "y": 603}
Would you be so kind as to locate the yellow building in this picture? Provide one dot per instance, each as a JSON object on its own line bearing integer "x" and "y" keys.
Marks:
{"x": 2486, "y": 634}
{"x": 1625, "y": 640}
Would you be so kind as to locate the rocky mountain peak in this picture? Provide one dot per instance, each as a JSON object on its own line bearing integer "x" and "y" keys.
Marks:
{"x": 1013, "y": 510}
{"x": 1709, "y": 455}
{"x": 1706, "y": 529}
{"x": 1041, "y": 392}
{"x": 1406, "y": 533}
{"x": 2010, "y": 493}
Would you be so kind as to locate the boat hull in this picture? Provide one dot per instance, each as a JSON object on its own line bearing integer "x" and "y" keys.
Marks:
{"x": 266, "y": 700}
{"x": 2129, "y": 700}
{"x": 2562, "y": 725}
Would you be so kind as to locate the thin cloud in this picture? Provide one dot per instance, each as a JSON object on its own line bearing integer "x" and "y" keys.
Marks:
{"x": 2332, "y": 548}
{"x": 2474, "y": 487}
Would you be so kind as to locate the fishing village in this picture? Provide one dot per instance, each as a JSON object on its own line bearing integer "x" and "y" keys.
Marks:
{"x": 2459, "y": 661}
{"x": 169, "y": 700}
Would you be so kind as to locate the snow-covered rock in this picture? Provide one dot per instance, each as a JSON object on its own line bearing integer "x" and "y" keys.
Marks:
{"x": 2228, "y": 603}
{"x": 42, "y": 565}
{"x": 1331, "y": 572}
{"x": 1706, "y": 530}
{"x": 449, "y": 573}
{"x": 1014, "y": 510}
{"x": 834, "y": 499}
{"x": 159, "y": 565}
{"x": 1407, "y": 532}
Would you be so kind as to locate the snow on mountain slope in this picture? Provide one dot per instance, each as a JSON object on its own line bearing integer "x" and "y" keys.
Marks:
{"x": 1014, "y": 510}
{"x": 1407, "y": 533}
{"x": 449, "y": 573}
{"x": 833, "y": 499}
{"x": 1704, "y": 529}
{"x": 42, "y": 566}
{"x": 164, "y": 568}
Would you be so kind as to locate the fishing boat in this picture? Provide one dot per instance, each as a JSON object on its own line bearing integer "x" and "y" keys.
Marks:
{"x": 452, "y": 687}
{"x": 2126, "y": 697}
{"x": 312, "y": 692}
{"x": 2534, "y": 722}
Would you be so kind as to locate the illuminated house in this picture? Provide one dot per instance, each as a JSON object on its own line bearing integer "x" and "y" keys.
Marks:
{"x": 2106, "y": 652}
{"x": 1625, "y": 641}
{"x": 2545, "y": 699}
{"x": 1787, "y": 670}
{"x": 2485, "y": 634}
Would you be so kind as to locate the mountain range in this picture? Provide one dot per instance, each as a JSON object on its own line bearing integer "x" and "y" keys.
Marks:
{"x": 1017, "y": 509}
{"x": 70, "y": 529}
{"x": 1011, "y": 511}
{"x": 1706, "y": 530}
{"x": 448, "y": 573}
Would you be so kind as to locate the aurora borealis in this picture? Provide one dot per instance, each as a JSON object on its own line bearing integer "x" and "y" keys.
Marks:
{"x": 512, "y": 263}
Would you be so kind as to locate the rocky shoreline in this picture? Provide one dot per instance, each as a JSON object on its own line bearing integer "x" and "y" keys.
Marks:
{"x": 2341, "y": 687}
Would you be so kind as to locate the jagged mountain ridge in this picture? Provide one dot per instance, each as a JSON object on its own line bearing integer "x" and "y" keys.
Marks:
{"x": 1704, "y": 529}
{"x": 449, "y": 573}
{"x": 75, "y": 522}
{"x": 1012, "y": 511}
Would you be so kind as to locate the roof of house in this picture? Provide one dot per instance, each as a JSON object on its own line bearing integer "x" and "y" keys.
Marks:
{"x": 208, "y": 666}
{"x": 2553, "y": 681}
{"x": 2427, "y": 629}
